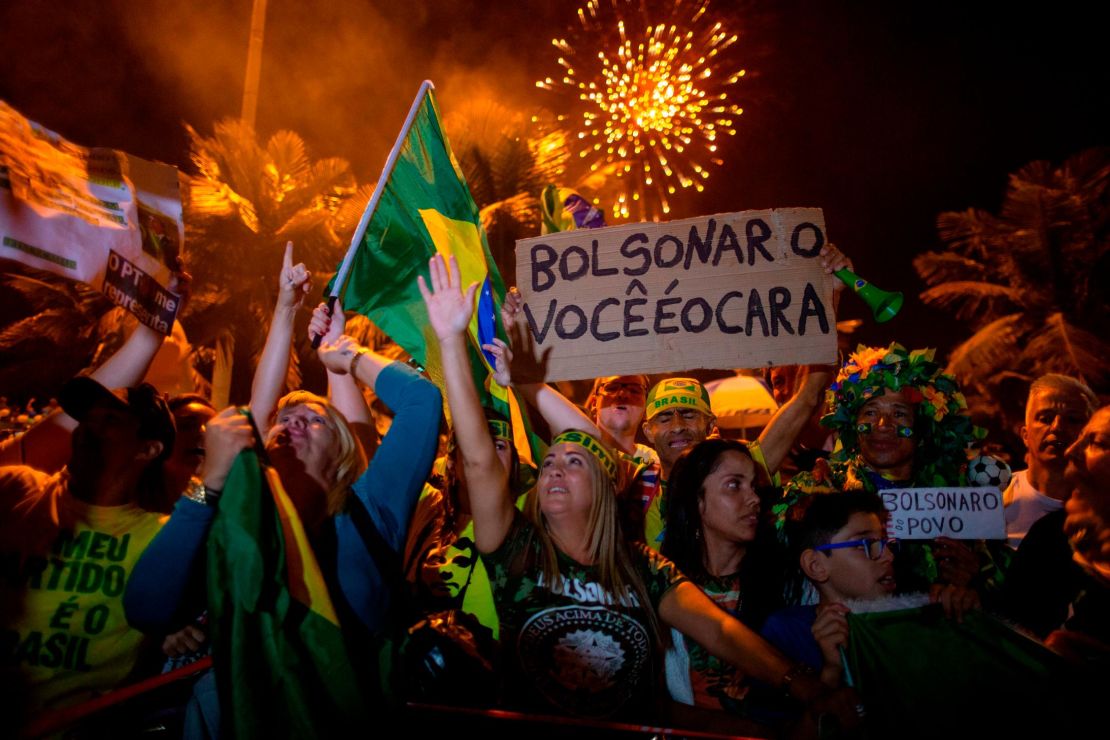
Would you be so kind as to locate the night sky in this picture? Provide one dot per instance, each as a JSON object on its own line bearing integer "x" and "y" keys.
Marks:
{"x": 882, "y": 113}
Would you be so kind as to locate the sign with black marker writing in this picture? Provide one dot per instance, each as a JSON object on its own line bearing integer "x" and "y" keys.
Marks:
{"x": 726, "y": 291}
{"x": 968, "y": 513}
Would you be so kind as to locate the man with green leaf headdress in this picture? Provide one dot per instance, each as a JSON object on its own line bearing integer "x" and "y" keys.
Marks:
{"x": 902, "y": 423}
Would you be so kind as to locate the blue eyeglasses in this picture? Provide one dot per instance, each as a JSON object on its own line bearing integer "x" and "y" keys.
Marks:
{"x": 873, "y": 548}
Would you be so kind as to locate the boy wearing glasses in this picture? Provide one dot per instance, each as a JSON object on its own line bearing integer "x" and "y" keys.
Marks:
{"x": 845, "y": 554}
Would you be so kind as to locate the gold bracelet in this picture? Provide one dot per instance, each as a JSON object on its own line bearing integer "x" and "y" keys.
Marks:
{"x": 354, "y": 362}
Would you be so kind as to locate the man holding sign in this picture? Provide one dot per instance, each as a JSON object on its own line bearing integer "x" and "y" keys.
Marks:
{"x": 903, "y": 424}
{"x": 679, "y": 416}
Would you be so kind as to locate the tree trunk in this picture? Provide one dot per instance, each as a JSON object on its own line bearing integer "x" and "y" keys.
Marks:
{"x": 221, "y": 371}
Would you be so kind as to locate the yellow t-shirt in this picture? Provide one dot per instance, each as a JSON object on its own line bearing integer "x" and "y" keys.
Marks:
{"x": 65, "y": 566}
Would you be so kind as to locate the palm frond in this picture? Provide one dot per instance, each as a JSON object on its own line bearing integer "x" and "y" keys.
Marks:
{"x": 970, "y": 298}
{"x": 53, "y": 326}
{"x": 288, "y": 163}
{"x": 972, "y": 232}
{"x": 522, "y": 207}
{"x": 346, "y": 218}
{"x": 939, "y": 267}
{"x": 991, "y": 348}
{"x": 42, "y": 293}
{"x": 1062, "y": 347}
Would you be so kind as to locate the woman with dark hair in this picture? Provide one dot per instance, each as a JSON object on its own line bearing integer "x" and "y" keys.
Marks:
{"x": 582, "y": 610}
{"x": 716, "y": 535}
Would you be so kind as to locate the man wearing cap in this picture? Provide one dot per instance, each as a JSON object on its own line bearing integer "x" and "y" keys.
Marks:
{"x": 68, "y": 541}
{"x": 679, "y": 416}
{"x": 902, "y": 422}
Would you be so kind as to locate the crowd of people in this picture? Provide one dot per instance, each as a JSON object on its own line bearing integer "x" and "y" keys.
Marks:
{"x": 645, "y": 569}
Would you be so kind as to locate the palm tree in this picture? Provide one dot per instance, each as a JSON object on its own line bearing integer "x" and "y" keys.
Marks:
{"x": 44, "y": 316}
{"x": 245, "y": 202}
{"x": 1031, "y": 280}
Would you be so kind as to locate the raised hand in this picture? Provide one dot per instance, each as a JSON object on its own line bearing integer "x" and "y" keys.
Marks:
{"x": 225, "y": 435}
{"x": 832, "y": 259}
{"x": 295, "y": 281}
{"x": 449, "y": 308}
{"x": 322, "y": 324}
{"x": 956, "y": 563}
{"x": 511, "y": 307}
{"x": 337, "y": 355}
{"x": 503, "y": 358}
{"x": 955, "y": 600}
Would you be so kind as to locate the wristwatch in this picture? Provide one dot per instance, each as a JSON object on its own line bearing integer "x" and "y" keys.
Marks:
{"x": 202, "y": 494}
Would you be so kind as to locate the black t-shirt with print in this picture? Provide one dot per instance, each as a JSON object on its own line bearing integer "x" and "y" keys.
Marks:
{"x": 575, "y": 647}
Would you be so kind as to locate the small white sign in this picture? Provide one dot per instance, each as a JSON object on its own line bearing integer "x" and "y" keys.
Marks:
{"x": 968, "y": 513}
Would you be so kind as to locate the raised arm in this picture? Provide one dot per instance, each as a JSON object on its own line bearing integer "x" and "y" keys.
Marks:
{"x": 269, "y": 378}
{"x": 45, "y": 446}
{"x": 686, "y": 608}
{"x": 392, "y": 483}
{"x": 789, "y": 421}
{"x": 449, "y": 311}
{"x": 555, "y": 408}
{"x": 166, "y": 589}
{"x": 343, "y": 389}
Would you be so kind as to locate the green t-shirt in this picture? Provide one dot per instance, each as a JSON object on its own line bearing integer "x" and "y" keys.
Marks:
{"x": 574, "y": 646}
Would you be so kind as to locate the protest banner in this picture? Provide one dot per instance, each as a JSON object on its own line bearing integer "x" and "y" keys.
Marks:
{"x": 966, "y": 513}
{"x": 726, "y": 291}
{"x": 100, "y": 216}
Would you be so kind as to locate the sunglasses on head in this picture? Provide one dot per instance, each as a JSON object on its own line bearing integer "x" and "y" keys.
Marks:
{"x": 614, "y": 387}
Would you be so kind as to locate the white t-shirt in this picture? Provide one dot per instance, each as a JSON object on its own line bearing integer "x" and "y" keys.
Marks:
{"x": 1024, "y": 506}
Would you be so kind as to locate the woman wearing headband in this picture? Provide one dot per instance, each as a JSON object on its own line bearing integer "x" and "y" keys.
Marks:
{"x": 582, "y": 611}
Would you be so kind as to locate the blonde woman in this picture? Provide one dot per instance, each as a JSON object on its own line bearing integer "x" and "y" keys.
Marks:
{"x": 582, "y": 611}
{"x": 322, "y": 466}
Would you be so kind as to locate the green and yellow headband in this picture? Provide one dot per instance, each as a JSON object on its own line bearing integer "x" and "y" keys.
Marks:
{"x": 500, "y": 429}
{"x": 592, "y": 446}
{"x": 684, "y": 392}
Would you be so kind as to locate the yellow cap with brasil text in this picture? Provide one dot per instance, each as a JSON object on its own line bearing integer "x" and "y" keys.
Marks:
{"x": 677, "y": 392}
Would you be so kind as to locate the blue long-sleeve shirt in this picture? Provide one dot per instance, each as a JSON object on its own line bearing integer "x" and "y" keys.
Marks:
{"x": 166, "y": 587}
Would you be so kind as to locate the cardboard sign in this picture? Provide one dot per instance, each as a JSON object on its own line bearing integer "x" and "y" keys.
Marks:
{"x": 726, "y": 291}
{"x": 97, "y": 215}
{"x": 959, "y": 513}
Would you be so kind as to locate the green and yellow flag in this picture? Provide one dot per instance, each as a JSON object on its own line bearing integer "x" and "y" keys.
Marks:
{"x": 282, "y": 667}
{"x": 420, "y": 207}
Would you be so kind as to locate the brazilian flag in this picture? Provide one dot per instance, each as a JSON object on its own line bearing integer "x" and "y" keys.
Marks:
{"x": 422, "y": 206}
{"x": 282, "y": 667}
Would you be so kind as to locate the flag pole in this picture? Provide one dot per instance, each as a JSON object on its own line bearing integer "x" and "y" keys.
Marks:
{"x": 360, "y": 231}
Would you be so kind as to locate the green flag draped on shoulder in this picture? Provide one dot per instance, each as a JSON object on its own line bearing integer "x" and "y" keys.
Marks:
{"x": 422, "y": 206}
{"x": 282, "y": 667}
{"x": 922, "y": 675}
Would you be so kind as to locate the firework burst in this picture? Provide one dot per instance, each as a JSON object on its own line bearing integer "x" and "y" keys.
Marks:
{"x": 652, "y": 100}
